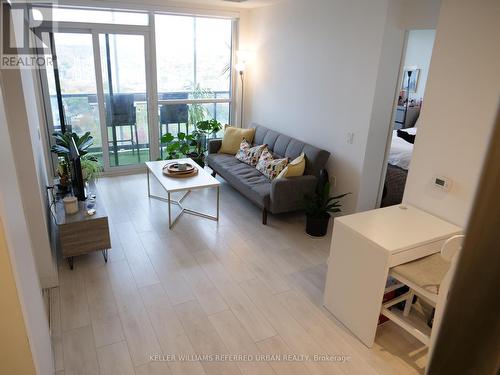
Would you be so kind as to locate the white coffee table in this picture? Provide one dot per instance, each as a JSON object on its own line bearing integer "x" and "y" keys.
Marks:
{"x": 171, "y": 185}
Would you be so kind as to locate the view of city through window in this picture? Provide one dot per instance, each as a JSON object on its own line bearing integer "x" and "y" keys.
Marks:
{"x": 193, "y": 61}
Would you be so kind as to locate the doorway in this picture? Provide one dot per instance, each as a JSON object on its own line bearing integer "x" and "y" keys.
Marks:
{"x": 408, "y": 104}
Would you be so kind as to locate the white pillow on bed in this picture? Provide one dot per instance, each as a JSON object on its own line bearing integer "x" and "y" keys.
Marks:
{"x": 412, "y": 131}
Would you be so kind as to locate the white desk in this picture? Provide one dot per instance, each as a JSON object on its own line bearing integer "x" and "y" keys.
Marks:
{"x": 364, "y": 247}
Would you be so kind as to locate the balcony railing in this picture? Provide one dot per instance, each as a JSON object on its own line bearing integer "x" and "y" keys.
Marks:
{"x": 82, "y": 114}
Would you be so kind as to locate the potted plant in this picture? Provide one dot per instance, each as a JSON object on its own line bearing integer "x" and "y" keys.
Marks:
{"x": 91, "y": 169}
{"x": 192, "y": 145}
{"x": 61, "y": 148}
{"x": 203, "y": 130}
{"x": 64, "y": 177}
{"x": 318, "y": 208}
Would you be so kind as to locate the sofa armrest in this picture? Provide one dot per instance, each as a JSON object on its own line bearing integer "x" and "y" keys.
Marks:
{"x": 287, "y": 194}
{"x": 214, "y": 145}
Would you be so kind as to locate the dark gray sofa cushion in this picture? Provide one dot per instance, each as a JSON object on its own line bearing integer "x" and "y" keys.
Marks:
{"x": 244, "y": 178}
{"x": 285, "y": 146}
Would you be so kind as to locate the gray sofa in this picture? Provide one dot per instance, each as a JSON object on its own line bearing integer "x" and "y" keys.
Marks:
{"x": 279, "y": 195}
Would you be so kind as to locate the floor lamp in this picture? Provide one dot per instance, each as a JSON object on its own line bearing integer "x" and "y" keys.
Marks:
{"x": 408, "y": 72}
{"x": 240, "y": 68}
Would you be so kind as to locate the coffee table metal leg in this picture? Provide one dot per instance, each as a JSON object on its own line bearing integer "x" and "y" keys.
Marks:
{"x": 218, "y": 202}
{"x": 169, "y": 212}
{"x": 149, "y": 188}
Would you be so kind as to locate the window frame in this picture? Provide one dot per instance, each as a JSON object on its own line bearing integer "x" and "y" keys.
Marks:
{"x": 151, "y": 63}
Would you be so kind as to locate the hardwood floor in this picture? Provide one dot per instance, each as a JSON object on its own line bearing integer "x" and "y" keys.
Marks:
{"x": 234, "y": 289}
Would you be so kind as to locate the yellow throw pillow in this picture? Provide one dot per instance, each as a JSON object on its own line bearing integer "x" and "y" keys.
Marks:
{"x": 233, "y": 137}
{"x": 295, "y": 168}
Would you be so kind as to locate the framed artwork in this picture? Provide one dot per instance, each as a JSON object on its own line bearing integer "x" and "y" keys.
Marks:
{"x": 413, "y": 79}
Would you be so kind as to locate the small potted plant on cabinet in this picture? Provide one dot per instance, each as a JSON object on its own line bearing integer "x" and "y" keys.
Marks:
{"x": 318, "y": 208}
{"x": 91, "y": 168}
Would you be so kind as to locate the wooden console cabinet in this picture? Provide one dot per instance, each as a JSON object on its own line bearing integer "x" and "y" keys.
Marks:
{"x": 80, "y": 233}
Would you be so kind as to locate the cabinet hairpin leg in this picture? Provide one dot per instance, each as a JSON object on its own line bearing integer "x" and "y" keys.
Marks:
{"x": 70, "y": 262}
{"x": 105, "y": 255}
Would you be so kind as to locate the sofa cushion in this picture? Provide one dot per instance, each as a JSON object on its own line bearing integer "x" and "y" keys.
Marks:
{"x": 249, "y": 155}
{"x": 284, "y": 146}
{"x": 244, "y": 178}
{"x": 233, "y": 137}
{"x": 295, "y": 168}
{"x": 269, "y": 166}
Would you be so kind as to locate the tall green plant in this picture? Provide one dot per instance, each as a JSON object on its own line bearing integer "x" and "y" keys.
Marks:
{"x": 320, "y": 204}
{"x": 83, "y": 143}
{"x": 197, "y": 112}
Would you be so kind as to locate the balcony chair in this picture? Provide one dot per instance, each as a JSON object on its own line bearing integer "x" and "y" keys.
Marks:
{"x": 123, "y": 114}
{"x": 173, "y": 114}
{"x": 427, "y": 278}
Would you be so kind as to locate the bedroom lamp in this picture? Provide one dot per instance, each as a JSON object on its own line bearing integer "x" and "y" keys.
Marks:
{"x": 408, "y": 72}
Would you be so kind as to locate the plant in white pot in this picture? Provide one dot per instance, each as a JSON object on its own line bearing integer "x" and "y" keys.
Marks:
{"x": 318, "y": 208}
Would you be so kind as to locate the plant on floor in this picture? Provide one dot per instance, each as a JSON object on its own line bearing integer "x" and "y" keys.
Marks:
{"x": 318, "y": 208}
{"x": 178, "y": 147}
{"x": 192, "y": 145}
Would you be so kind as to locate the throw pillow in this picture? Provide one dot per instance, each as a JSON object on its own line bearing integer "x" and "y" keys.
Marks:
{"x": 233, "y": 137}
{"x": 269, "y": 166}
{"x": 295, "y": 168}
{"x": 249, "y": 155}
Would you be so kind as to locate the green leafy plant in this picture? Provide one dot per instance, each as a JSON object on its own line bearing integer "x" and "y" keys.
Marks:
{"x": 61, "y": 148}
{"x": 178, "y": 147}
{"x": 193, "y": 145}
{"x": 197, "y": 112}
{"x": 320, "y": 204}
{"x": 202, "y": 131}
{"x": 63, "y": 173}
{"x": 91, "y": 169}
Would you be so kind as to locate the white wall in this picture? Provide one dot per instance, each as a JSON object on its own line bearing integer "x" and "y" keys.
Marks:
{"x": 21, "y": 249}
{"x": 418, "y": 53}
{"x": 463, "y": 92}
{"x": 23, "y": 125}
{"x": 326, "y": 68}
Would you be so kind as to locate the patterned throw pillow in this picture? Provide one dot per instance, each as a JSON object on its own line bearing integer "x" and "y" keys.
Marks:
{"x": 249, "y": 155}
{"x": 269, "y": 166}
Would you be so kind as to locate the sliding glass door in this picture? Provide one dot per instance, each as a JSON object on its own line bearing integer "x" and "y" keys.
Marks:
{"x": 125, "y": 90}
{"x": 99, "y": 85}
{"x": 72, "y": 89}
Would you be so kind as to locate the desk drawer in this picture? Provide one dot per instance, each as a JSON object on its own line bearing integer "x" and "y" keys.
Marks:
{"x": 415, "y": 253}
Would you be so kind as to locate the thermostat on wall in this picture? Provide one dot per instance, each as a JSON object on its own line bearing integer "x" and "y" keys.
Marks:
{"x": 443, "y": 183}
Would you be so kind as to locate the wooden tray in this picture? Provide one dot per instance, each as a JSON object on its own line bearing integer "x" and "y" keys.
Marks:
{"x": 172, "y": 170}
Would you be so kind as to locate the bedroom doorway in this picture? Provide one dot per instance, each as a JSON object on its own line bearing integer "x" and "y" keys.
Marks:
{"x": 408, "y": 103}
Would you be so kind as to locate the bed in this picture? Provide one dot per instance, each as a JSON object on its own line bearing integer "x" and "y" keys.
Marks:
{"x": 397, "y": 169}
